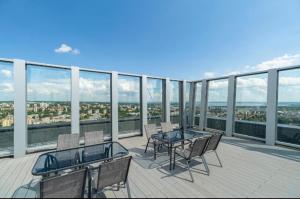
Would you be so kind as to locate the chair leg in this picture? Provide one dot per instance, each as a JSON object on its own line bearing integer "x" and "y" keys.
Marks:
{"x": 205, "y": 164}
{"x": 218, "y": 158}
{"x": 128, "y": 189}
{"x": 174, "y": 163}
{"x": 188, "y": 167}
{"x": 147, "y": 145}
{"x": 154, "y": 150}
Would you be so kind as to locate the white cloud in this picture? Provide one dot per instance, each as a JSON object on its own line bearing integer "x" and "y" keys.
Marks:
{"x": 6, "y": 73}
{"x": 208, "y": 75}
{"x": 277, "y": 62}
{"x": 64, "y": 48}
{"x": 6, "y": 87}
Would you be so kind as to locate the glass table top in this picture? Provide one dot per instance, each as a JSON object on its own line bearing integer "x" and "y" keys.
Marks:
{"x": 179, "y": 136}
{"x": 82, "y": 156}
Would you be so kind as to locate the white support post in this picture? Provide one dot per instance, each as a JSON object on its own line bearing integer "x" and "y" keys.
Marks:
{"x": 167, "y": 100}
{"x": 75, "y": 100}
{"x": 271, "y": 127}
{"x": 20, "y": 112}
{"x": 183, "y": 119}
{"x": 230, "y": 106}
{"x": 191, "y": 105}
{"x": 203, "y": 108}
{"x": 144, "y": 106}
{"x": 114, "y": 106}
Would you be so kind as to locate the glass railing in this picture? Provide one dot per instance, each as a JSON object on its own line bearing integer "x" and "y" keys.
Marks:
{"x": 288, "y": 134}
{"x": 249, "y": 128}
{"x": 6, "y": 141}
{"x": 216, "y": 123}
{"x": 130, "y": 125}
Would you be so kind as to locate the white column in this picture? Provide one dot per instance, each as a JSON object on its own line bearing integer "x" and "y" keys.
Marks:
{"x": 271, "y": 128}
{"x": 203, "y": 108}
{"x": 230, "y": 106}
{"x": 114, "y": 106}
{"x": 144, "y": 106}
{"x": 183, "y": 119}
{"x": 20, "y": 113}
{"x": 167, "y": 100}
{"x": 191, "y": 104}
{"x": 75, "y": 100}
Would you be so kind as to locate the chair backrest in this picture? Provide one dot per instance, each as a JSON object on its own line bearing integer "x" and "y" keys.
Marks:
{"x": 214, "y": 142}
{"x": 113, "y": 172}
{"x": 93, "y": 138}
{"x": 166, "y": 127}
{"x": 71, "y": 185}
{"x": 199, "y": 147}
{"x": 67, "y": 141}
{"x": 150, "y": 130}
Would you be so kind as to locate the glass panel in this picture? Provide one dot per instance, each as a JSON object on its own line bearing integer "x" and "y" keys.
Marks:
{"x": 6, "y": 109}
{"x": 175, "y": 103}
{"x": 288, "y": 111}
{"x": 129, "y": 104}
{"x": 217, "y": 104}
{"x": 48, "y": 104}
{"x": 198, "y": 93}
{"x": 155, "y": 101}
{"x": 95, "y": 106}
{"x": 251, "y": 105}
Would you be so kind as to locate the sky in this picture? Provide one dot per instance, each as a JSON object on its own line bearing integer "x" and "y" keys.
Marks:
{"x": 171, "y": 38}
{"x": 179, "y": 39}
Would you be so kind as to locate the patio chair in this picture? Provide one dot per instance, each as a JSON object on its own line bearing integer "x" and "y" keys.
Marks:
{"x": 92, "y": 152}
{"x": 112, "y": 173}
{"x": 93, "y": 138}
{"x": 150, "y": 130}
{"x": 196, "y": 149}
{"x": 166, "y": 127}
{"x": 213, "y": 145}
{"x": 67, "y": 141}
{"x": 69, "y": 185}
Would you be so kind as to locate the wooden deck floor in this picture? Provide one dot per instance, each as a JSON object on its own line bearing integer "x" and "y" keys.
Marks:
{"x": 250, "y": 169}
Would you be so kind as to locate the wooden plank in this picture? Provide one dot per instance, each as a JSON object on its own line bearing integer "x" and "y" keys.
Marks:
{"x": 247, "y": 172}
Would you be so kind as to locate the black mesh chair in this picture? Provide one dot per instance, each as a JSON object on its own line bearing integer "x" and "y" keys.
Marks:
{"x": 69, "y": 185}
{"x": 166, "y": 127}
{"x": 194, "y": 150}
{"x": 213, "y": 145}
{"x": 93, "y": 137}
{"x": 112, "y": 173}
{"x": 150, "y": 130}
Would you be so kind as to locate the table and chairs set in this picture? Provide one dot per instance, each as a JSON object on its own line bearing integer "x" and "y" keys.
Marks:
{"x": 74, "y": 171}
{"x": 188, "y": 144}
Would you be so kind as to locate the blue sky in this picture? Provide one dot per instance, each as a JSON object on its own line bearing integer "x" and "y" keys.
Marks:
{"x": 173, "y": 38}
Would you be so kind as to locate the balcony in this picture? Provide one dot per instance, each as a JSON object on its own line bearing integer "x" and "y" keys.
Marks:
{"x": 260, "y": 147}
{"x": 250, "y": 169}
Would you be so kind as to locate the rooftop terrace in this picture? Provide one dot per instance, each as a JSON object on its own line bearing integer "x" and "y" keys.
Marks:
{"x": 250, "y": 169}
{"x": 257, "y": 112}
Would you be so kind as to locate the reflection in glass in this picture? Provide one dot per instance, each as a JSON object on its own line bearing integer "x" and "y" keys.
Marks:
{"x": 288, "y": 111}
{"x": 217, "y": 104}
{"x": 48, "y": 104}
{"x": 95, "y": 106}
{"x": 129, "y": 104}
{"x": 198, "y": 93}
{"x": 251, "y": 105}
{"x": 155, "y": 101}
{"x": 6, "y": 109}
{"x": 175, "y": 103}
